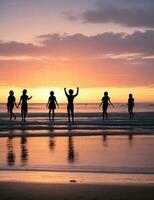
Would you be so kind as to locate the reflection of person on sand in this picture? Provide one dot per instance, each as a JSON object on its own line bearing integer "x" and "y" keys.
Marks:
{"x": 71, "y": 153}
{"x": 10, "y": 104}
{"x": 24, "y": 104}
{"x": 105, "y": 103}
{"x": 130, "y": 106}
{"x": 10, "y": 155}
{"x": 70, "y": 105}
{"x": 24, "y": 151}
{"x": 52, "y": 144}
{"x": 52, "y": 102}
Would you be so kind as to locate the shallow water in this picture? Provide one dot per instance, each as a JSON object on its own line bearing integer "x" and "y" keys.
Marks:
{"x": 112, "y": 154}
{"x": 84, "y": 107}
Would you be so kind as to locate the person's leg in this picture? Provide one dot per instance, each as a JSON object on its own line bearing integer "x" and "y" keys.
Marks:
{"x": 22, "y": 114}
{"x": 103, "y": 113}
{"x": 106, "y": 114}
{"x": 68, "y": 112}
{"x": 25, "y": 113}
{"x": 49, "y": 114}
{"x": 72, "y": 114}
{"x": 12, "y": 114}
{"x": 131, "y": 111}
{"x": 53, "y": 114}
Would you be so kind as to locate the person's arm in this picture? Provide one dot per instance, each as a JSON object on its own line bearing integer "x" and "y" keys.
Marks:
{"x": 100, "y": 104}
{"x": 15, "y": 102}
{"x": 65, "y": 92}
{"x": 111, "y": 103}
{"x": 29, "y": 98}
{"x": 47, "y": 103}
{"x": 19, "y": 103}
{"x": 7, "y": 105}
{"x": 56, "y": 102}
{"x": 133, "y": 101}
{"x": 77, "y": 92}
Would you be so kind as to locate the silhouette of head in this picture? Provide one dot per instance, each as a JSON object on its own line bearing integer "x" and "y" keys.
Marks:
{"x": 71, "y": 91}
{"x": 24, "y": 91}
{"x": 51, "y": 93}
{"x": 11, "y": 93}
{"x": 130, "y": 95}
{"x": 105, "y": 93}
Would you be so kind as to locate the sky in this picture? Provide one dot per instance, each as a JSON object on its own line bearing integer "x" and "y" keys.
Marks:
{"x": 97, "y": 45}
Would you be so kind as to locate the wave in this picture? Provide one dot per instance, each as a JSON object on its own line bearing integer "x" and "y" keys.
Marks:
{"x": 89, "y": 169}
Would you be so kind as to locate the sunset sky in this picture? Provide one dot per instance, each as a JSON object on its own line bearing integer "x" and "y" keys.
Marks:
{"x": 97, "y": 45}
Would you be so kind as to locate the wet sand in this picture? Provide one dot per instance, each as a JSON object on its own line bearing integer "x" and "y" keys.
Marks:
{"x": 74, "y": 191}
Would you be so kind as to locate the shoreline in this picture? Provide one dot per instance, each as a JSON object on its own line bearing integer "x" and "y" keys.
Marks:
{"x": 86, "y": 124}
{"x": 79, "y": 177}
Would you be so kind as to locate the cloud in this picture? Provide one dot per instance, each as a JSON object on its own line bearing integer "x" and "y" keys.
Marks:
{"x": 13, "y": 48}
{"x": 108, "y": 59}
{"x": 82, "y": 46}
{"x": 133, "y": 13}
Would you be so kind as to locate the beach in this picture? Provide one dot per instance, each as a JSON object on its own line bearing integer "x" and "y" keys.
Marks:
{"x": 28, "y": 191}
{"x": 92, "y": 159}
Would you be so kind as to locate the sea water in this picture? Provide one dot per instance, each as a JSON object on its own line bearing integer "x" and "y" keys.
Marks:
{"x": 84, "y": 107}
{"x": 110, "y": 154}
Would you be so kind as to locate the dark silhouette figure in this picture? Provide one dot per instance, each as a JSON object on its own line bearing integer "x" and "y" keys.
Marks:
{"x": 10, "y": 104}
{"x": 130, "y": 106}
{"x": 71, "y": 153}
{"x": 24, "y": 104}
{"x": 24, "y": 151}
{"x": 105, "y": 103}
{"x": 52, "y": 102}
{"x": 70, "y": 105}
{"x": 10, "y": 155}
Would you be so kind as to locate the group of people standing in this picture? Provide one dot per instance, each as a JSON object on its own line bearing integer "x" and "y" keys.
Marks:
{"x": 52, "y": 104}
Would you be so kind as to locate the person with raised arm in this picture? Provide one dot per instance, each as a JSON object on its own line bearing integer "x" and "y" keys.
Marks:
{"x": 10, "y": 104}
{"x": 52, "y": 102}
{"x": 70, "y": 105}
{"x": 24, "y": 105}
{"x": 105, "y": 103}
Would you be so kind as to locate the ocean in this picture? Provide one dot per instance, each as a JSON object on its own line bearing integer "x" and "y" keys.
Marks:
{"x": 84, "y": 107}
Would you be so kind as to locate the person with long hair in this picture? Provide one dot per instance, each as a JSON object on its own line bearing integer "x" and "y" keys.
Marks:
{"x": 10, "y": 104}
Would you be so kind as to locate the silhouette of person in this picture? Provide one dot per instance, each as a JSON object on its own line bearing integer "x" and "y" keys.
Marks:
{"x": 10, "y": 104}
{"x": 24, "y": 104}
{"x": 105, "y": 103}
{"x": 130, "y": 106}
{"x": 70, "y": 105}
{"x": 52, "y": 102}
